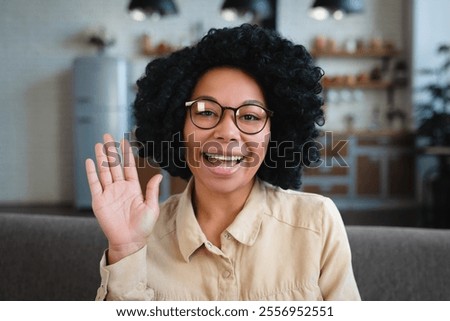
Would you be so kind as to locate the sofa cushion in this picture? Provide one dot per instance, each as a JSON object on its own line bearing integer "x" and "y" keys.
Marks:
{"x": 49, "y": 257}
{"x": 398, "y": 263}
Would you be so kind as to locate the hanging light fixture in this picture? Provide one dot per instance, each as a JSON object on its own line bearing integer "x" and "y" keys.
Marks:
{"x": 322, "y": 9}
{"x": 253, "y": 10}
{"x": 141, "y": 9}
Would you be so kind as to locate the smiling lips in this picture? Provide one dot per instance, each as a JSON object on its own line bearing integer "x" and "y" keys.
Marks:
{"x": 222, "y": 160}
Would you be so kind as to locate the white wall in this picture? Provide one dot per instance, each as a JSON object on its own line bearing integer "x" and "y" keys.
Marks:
{"x": 40, "y": 39}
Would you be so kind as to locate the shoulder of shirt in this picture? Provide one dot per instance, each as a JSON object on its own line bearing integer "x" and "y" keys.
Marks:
{"x": 299, "y": 209}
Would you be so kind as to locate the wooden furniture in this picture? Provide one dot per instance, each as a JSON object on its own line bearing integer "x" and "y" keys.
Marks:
{"x": 365, "y": 170}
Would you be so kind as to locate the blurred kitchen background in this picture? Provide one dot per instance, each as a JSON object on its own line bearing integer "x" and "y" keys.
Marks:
{"x": 69, "y": 67}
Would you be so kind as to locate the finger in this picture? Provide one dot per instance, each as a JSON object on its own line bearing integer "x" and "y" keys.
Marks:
{"x": 152, "y": 191}
{"x": 94, "y": 184}
{"x": 129, "y": 164}
{"x": 113, "y": 156}
{"x": 104, "y": 172}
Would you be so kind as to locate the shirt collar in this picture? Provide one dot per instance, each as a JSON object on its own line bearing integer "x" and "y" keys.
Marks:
{"x": 244, "y": 229}
{"x": 189, "y": 234}
{"x": 246, "y": 225}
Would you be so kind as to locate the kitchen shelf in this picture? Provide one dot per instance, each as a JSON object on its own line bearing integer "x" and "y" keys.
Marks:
{"x": 361, "y": 81}
{"x": 362, "y": 85}
{"x": 356, "y": 54}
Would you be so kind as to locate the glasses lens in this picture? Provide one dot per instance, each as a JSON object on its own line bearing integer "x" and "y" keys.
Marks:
{"x": 205, "y": 114}
{"x": 251, "y": 118}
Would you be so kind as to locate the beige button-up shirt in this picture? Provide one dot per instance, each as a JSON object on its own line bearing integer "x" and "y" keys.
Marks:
{"x": 283, "y": 245}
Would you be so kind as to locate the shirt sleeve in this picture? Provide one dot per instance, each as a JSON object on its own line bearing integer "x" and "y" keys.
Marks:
{"x": 126, "y": 279}
{"x": 337, "y": 281}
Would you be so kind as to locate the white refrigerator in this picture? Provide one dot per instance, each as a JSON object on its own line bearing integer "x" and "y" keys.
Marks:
{"x": 102, "y": 96}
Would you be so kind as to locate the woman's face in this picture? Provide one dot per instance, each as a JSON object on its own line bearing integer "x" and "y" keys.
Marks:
{"x": 224, "y": 159}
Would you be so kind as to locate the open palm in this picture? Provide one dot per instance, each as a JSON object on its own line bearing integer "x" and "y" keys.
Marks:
{"x": 125, "y": 216}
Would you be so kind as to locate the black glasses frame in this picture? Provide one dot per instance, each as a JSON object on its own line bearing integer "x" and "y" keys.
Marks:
{"x": 189, "y": 104}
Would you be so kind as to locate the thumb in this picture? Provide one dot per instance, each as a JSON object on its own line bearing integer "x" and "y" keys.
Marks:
{"x": 152, "y": 191}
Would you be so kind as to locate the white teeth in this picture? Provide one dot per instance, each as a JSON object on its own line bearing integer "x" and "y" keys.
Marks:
{"x": 223, "y": 157}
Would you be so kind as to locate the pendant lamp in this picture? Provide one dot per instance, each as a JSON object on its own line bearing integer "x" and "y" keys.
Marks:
{"x": 322, "y": 9}
{"x": 141, "y": 9}
{"x": 253, "y": 10}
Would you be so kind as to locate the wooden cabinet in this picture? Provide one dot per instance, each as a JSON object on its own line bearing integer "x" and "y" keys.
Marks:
{"x": 401, "y": 182}
{"x": 369, "y": 175}
{"x": 332, "y": 168}
{"x": 385, "y": 166}
{"x": 373, "y": 170}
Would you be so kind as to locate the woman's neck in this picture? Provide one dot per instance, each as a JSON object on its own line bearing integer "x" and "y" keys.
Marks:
{"x": 216, "y": 211}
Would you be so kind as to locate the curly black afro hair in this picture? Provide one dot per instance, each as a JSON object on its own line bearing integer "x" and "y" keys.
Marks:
{"x": 286, "y": 73}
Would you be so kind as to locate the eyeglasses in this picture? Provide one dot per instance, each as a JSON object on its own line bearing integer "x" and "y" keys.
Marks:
{"x": 249, "y": 118}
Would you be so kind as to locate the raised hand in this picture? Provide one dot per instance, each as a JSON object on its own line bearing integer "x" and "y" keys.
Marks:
{"x": 125, "y": 216}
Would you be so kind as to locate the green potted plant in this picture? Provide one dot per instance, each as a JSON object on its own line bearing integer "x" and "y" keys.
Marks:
{"x": 433, "y": 114}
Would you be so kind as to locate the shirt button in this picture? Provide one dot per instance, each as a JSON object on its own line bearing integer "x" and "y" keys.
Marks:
{"x": 226, "y": 274}
{"x": 208, "y": 244}
{"x": 227, "y": 236}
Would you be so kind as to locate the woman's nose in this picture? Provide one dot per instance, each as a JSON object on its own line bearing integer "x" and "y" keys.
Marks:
{"x": 226, "y": 129}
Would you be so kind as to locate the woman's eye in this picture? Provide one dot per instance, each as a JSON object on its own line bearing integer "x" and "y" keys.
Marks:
{"x": 249, "y": 117}
{"x": 206, "y": 113}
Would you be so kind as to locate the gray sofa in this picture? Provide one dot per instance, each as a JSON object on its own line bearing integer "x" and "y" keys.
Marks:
{"x": 51, "y": 257}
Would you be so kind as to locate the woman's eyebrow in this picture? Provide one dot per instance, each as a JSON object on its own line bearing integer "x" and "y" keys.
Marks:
{"x": 246, "y": 102}
{"x": 253, "y": 102}
{"x": 206, "y": 97}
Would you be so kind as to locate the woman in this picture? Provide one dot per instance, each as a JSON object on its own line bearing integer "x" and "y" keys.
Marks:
{"x": 234, "y": 115}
